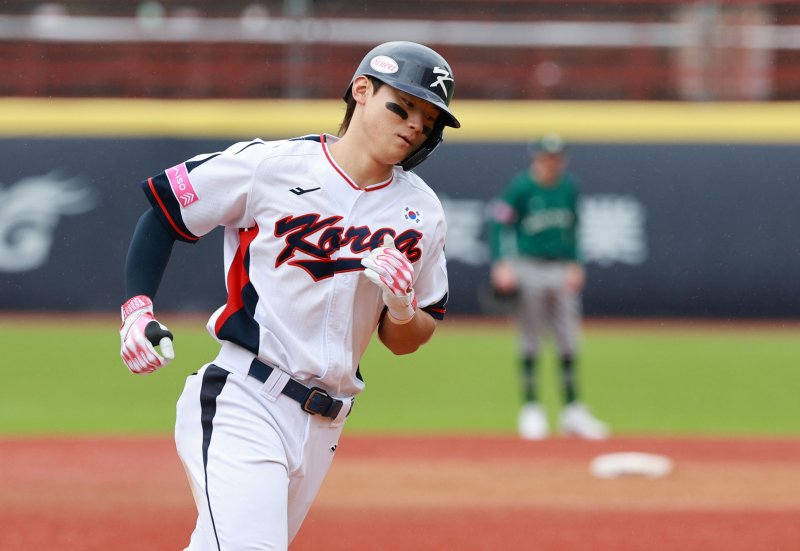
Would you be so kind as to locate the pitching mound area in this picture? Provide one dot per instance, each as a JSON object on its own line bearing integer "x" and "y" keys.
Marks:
{"x": 432, "y": 493}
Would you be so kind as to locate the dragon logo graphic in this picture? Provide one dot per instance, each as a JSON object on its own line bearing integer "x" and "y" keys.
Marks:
{"x": 29, "y": 214}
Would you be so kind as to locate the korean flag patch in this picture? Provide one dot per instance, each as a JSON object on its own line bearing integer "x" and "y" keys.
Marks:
{"x": 413, "y": 215}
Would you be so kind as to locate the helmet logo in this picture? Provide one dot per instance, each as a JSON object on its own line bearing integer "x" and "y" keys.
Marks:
{"x": 444, "y": 74}
{"x": 384, "y": 64}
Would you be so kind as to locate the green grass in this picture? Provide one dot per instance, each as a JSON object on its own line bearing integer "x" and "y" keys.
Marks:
{"x": 702, "y": 382}
{"x": 68, "y": 379}
{"x": 710, "y": 382}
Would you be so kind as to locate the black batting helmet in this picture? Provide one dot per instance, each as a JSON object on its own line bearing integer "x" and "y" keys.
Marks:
{"x": 419, "y": 71}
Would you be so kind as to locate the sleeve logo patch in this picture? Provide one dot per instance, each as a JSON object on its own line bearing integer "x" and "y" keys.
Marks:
{"x": 178, "y": 178}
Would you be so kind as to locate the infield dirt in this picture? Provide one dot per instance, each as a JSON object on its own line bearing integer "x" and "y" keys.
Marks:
{"x": 430, "y": 493}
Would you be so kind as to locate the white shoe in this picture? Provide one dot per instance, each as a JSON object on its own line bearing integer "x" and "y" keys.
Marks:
{"x": 577, "y": 421}
{"x": 532, "y": 422}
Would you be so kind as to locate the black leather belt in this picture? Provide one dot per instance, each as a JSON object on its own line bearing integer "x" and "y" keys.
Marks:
{"x": 313, "y": 400}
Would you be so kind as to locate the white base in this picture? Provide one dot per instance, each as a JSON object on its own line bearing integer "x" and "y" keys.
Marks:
{"x": 615, "y": 465}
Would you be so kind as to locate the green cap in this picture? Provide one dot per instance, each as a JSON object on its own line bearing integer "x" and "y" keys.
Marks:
{"x": 549, "y": 143}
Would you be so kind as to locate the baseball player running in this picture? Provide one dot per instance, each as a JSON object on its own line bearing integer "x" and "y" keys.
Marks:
{"x": 326, "y": 239}
{"x": 534, "y": 238}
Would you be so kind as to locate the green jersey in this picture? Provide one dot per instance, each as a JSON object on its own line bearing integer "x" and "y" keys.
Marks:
{"x": 533, "y": 220}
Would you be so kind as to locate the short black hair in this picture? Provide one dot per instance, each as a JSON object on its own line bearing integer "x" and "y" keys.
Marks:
{"x": 351, "y": 106}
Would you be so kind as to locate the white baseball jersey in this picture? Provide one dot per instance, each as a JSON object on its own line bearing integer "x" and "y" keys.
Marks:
{"x": 296, "y": 229}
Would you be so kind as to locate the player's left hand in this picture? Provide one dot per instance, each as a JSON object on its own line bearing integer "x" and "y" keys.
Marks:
{"x": 390, "y": 270}
{"x": 574, "y": 278}
{"x": 140, "y": 333}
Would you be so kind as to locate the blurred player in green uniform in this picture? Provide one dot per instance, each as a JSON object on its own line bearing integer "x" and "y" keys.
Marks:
{"x": 534, "y": 241}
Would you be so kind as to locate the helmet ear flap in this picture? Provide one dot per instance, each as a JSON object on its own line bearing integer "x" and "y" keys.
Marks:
{"x": 427, "y": 147}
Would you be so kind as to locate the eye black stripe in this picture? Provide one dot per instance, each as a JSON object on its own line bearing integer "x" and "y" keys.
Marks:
{"x": 397, "y": 110}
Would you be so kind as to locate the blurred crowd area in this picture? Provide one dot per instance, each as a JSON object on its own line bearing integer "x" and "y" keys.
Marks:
{"x": 733, "y": 50}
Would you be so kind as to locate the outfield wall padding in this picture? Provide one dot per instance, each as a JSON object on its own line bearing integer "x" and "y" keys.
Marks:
{"x": 696, "y": 229}
{"x": 688, "y": 209}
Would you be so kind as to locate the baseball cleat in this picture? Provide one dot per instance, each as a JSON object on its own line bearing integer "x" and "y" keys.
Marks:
{"x": 532, "y": 423}
{"x": 577, "y": 421}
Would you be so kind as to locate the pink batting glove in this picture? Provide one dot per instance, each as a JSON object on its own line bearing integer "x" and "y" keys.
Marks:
{"x": 140, "y": 333}
{"x": 390, "y": 270}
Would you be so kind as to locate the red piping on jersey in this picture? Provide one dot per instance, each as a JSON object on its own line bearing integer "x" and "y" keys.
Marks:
{"x": 238, "y": 278}
{"x": 343, "y": 175}
{"x": 166, "y": 213}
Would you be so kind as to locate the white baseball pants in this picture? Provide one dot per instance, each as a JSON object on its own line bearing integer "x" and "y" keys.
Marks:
{"x": 255, "y": 460}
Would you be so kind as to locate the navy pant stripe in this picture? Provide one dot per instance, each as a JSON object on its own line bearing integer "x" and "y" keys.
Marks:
{"x": 213, "y": 381}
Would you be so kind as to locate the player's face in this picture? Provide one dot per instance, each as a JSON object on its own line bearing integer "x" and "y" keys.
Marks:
{"x": 547, "y": 167}
{"x": 405, "y": 121}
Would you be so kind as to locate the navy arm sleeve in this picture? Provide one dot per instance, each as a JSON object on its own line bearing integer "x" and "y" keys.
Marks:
{"x": 148, "y": 255}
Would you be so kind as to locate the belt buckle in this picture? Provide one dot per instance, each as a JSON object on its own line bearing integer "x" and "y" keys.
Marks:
{"x": 317, "y": 401}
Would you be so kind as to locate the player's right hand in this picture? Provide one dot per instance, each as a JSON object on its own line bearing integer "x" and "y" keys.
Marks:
{"x": 140, "y": 333}
{"x": 504, "y": 278}
{"x": 390, "y": 270}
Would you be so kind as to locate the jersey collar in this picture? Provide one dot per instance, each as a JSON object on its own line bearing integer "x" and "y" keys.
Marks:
{"x": 324, "y": 139}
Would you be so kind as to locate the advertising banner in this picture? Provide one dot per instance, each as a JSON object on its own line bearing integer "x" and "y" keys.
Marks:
{"x": 666, "y": 229}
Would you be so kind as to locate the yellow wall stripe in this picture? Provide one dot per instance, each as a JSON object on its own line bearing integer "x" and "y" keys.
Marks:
{"x": 492, "y": 121}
